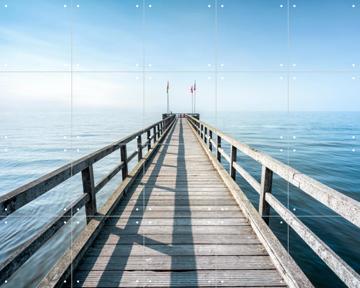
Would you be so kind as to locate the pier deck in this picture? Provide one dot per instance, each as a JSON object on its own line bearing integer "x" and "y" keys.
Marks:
{"x": 178, "y": 217}
{"x": 177, "y": 226}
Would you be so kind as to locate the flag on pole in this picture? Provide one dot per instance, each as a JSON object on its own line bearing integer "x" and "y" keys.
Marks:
{"x": 167, "y": 87}
{"x": 192, "y": 89}
{"x": 195, "y": 85}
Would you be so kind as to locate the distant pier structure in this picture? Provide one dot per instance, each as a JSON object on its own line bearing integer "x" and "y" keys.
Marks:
{"x": 179, "y": 218}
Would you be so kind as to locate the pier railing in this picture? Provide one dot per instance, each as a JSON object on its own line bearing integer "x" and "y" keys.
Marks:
{"x": 19, "y": 197}
{"x": 341, "y": 204}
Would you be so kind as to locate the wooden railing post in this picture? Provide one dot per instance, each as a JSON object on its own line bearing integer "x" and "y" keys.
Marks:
{"x": 266, "y": 186}
{"x": 148, "y": 139}
{"x": 154, "y": 132}
{"x": 210, "y": 138}
{"x": 218, "y": 145}
{"x": 205, "y": 135}
{"x": 201, "y": 131}
{"x": 89, "y": 188}
{"x": 123, "y": 154}
{"x": 139, "y": 145}
{"x": 232, "y": 170}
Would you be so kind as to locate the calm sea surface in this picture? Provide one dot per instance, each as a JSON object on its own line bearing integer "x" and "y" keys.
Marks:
{"x": 325, "y": 146}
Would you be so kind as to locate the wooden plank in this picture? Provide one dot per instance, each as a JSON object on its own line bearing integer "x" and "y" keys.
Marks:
{"x": 202, "y": 278}
{"x": 175, "y": 250}
{"x": 189, "y": 221}
{"x": 150, "y": 214}
{"x": 175, "y": 263}
{"x": 111, "y": 238}
{"x": 145, "y": 229}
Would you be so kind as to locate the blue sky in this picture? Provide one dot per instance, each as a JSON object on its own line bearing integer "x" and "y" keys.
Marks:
{"x": 247, "y": 42}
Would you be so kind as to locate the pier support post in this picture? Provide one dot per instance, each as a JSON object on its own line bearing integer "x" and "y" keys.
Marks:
{"x": 210, "y": 138}
{"x": 233, "y": 154}
{"x": 205, "y": 135}
{"x": 139, "y": 146}
{"x": 123, "y": 155}
{"x": 89, "y": 188}
{"x": 218, "y": 145}
{"x": 266, "y": 187}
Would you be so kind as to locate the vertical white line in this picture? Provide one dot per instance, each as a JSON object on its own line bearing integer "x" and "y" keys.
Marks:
{"x": 216, "y": 94}
{"x": 71, "y": 125}
{"x": 288, "y": 112}
{"x": 216, "y": 59}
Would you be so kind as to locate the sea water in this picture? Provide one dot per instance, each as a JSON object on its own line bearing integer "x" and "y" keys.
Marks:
{"x": 323, "y": 145}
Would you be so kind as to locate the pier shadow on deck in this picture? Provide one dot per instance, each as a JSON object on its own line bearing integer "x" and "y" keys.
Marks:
{"x": 130, "y": 235}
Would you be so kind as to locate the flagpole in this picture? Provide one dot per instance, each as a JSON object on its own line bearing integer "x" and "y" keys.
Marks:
{"x": 167, "y": 97}
{"x": 195, "y": 97}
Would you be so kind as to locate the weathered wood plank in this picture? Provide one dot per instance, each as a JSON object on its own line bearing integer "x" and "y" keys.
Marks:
{"x": 145, "y": 229}
{"x": 111, "y": 238}
{"x": 175, "y": 250}
{"x": 202, "y": 278}
{"x": 175, "y": 263}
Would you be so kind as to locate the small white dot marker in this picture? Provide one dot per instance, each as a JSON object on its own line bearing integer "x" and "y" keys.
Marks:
{"x": 294, "y": 6}
{"x": 353, "y": 6}
{"x": 222, "y": 5}
{"x": 294, "y": 65}
{"x": 353, "y": 78}
{"x": 281, "y": 78}
{"x": 353, "y": 137}
{"x": 294, "y": 209}
{"x": 294, "y": 137}
{"x": 77, "y": 6}
{"x": 222, "y": 78}
{"x": 294, "y": 78}
{"x": 294, "y": 150}
{"x": 150, "y": 5}
{"x": 77, "y": 281}
{"x": 353, "y": 65}
{"x": 281, "y": 150}
{"x": 209, "y": 6}
{"x": 281, "y": 222}
{"x": 353, "y": 150}
{"x": 222, "y": 65}
{"x": 281, "y": 6}
{"x": 137, "y": 5}
{"x": 281, "y": 65}
{"x": 64, "y": 281}
{"x": 5, "y": 6}
{"x": 65, "y": 5}
{"x": 5, "y": 281}
{"x": 209, "y": 65}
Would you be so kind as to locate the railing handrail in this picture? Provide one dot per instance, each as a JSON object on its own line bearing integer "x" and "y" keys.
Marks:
{"x": 343, "y": 205}
{"x": 50, "y": 180}
{"x": 19, "y": 197}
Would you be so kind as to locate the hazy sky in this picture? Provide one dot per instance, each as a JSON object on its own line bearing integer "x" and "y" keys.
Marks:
{"x": 238, "y": 51}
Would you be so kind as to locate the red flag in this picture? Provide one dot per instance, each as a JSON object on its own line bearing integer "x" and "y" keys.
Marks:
{"x": 167, "y": 87}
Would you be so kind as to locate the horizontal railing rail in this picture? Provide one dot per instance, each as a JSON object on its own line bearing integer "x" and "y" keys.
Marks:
{"x": 19, "y": 197}
{"x": 341, "y": 204}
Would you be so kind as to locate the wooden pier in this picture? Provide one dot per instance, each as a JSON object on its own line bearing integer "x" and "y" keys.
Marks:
{"x": 179, "y": 219}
